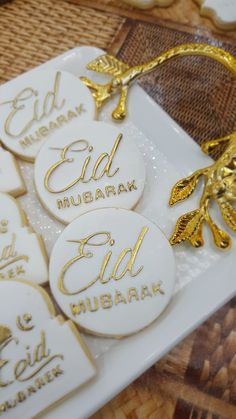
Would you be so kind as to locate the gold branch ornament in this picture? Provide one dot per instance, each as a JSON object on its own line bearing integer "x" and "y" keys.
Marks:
{"x": 219, "y": 178}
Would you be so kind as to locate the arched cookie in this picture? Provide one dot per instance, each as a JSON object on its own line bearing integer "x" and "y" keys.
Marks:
{"x": 42, "y": 357}
{"x": 11, "y": 180}
{"x": 12, "y": 216}
{"x": 22, "y": 251}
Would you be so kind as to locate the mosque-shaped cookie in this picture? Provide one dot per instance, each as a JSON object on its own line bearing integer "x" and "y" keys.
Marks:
{"x": 42, "y": 357}
{"x": 22, "y": 251}
{"x": 39, "y": 103}
{"x": 11, "y": 180}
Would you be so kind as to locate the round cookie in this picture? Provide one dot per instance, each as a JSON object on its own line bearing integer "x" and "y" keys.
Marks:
{"x": 38, "y": 104}
{"x": 112, "y": 272}
{"x": 88, "y": 166}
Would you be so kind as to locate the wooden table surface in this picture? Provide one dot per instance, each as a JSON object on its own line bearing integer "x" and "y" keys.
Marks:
{"x": 197, "y": 379}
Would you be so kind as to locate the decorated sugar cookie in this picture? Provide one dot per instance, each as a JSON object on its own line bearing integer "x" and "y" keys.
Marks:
{"x": 38, "y": 104}
{"x": 22, "y": 251}
{"x": 11, "y": 180}
{"x": 42, "y": 357}
{"x": 222, "y": 12}
{"x": 88, "y": 166}
{"x": 12, "y": 217}
{"x": 112, "y": 271}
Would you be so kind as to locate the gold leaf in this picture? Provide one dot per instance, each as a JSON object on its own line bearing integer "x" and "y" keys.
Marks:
{"x": 228, "y": 213}
{"x": 221, "y": 238}
{"x": 184, "y": 188}
{"x": 108, "y": 64}
{"x": 196, "y": 239}
{"x": 5, "y": 333}
{"x": 187, "y": 227}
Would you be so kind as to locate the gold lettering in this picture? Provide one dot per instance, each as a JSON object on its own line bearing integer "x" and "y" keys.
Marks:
{"x": 87, "y": 197}
{"x": 133, "y": 255}
{"x": 131, "y": 186}
{"x": 145, "y": 292}
{"x": 83, "y": 145}
{"x": 57, "y": 371}
{"x": 119, "y": 298}
{"x": 61, "y": 119}
{"x": 99, "y": 194}
{"x": 89, "y": 305}
{"x": 88, "y": 241}
{"x": 9, "y": 256}
{"x": 105, "y": 239}
{"x": 78, "y": 308}
{"x": 18, "y": 105}
{"x": 156, "y": 288}
{"x": 132, "y": 294}
{"x": 43, "y": 131}
{"x": 71, "y": 115}
{"x": 121, "y": 188}
{"x": 110, "y": 190}
{"x": 63, "y": 204}
{"x": 31, "y": 390}
{"x": 40, "y": 356}
{"x": 73, "y": 201}
{"x": 20, "y": 396}
{"x": 106, "y": 301}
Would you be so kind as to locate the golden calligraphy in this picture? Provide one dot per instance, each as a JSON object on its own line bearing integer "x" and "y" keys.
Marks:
{"x": 101, "y": 239}
{"x": 105, "y": 159}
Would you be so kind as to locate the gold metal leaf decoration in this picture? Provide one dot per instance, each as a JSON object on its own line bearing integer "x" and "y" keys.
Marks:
{"x": 219, "y": 178}
{"x": 123, "y": 76}
{"x": 228, "y": 213}
{"x": 184, "y": 188}
{"x": 108, "y": 64}
{"x": 5, "y": 334}
{"x": 219, "y": 187}
{"x": 187, "y": 227}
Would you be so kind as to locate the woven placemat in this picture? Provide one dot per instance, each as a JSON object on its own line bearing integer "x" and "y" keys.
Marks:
{"x": 32, "y": 32}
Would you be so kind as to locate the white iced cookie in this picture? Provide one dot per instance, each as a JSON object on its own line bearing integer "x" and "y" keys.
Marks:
{"x": 12, "y": 216}
{"x": 42, "y": 357}
{"x": 222, "y": 12}
{"x": 11, "y": 180}
{"x": 22, "y": 251}
{"x": 23, "y": 256}
{"x": 88, "y": 166}
{"x": 112, "y": 271}
{"x": 38, "y": 104}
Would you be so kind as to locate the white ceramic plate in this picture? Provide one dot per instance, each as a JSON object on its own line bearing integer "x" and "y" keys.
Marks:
{"x": 204, "y": 277}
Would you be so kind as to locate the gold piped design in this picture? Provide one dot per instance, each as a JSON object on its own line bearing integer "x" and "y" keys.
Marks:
{"x": 219, "y": 178}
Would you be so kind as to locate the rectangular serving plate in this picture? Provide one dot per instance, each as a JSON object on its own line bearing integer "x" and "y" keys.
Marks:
{"x": 122, "y": 362}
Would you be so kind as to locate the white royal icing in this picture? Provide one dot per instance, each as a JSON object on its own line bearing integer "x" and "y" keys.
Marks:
{"x": 22, "y": 251}
{"x": 12, "y": 216}
{"x": 11, "y": 180}
{"x": 42, "y": 357}
{"x": 38, "y": 104}
{"x": 112, "y": 271}
{"x": 108, "y": 170}
{"x": 22, "y": 256}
